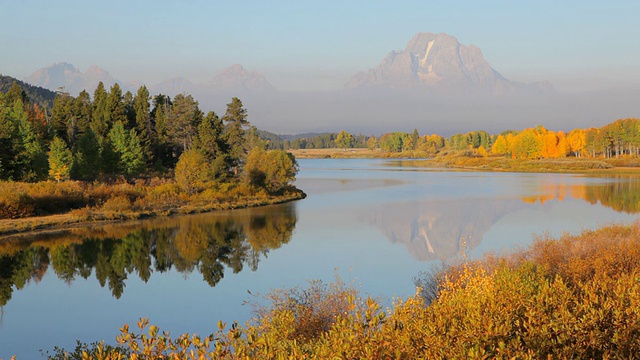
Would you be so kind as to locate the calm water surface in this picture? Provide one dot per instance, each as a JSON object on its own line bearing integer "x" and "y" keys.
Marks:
{"x": 376, "y": 223}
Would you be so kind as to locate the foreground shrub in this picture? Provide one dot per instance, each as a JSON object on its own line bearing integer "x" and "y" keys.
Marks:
{"x": 14, "y": 202}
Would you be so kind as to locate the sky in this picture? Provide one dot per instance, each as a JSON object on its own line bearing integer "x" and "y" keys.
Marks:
{"x": 318, "y": 45}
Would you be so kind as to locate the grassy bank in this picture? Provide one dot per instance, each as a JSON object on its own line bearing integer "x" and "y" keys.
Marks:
{"x": 572, "y": 297}
{"x": 501, "y": 163}
{"x": 469, "y": 160}
{"x": 356, "y": 153}
{"x": 33, "y": 206}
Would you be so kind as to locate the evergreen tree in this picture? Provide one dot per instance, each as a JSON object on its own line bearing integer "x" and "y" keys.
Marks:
{"x": 414, "y": 139}
{"x": 115, "y": 106}
{"x": 126, "y": 145}
{"x": 14, "y": 93}
{"x": 183, "y": 120}
{"x": 82, "y": 114}
{"x": 210, "y": 142}
{"x": 129, "y": 119}
{"x": 7, "y": 136}
{"x": 143, "y": 121}
{"x": 162, "y": 151}
{"x": 87, "y": 161}
{"x": 235, "y": 120}
{"x": 31, "y": 160}
{"x": 99, "y": 116}
{"x": 61, "y": 115}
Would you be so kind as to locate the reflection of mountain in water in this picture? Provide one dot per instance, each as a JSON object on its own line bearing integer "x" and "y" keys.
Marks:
{"x": 208, "y": 243}
{"x": 439, "y": 229}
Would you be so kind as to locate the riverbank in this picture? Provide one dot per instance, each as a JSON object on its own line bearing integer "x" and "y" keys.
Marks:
{"x": 355, "y": 153}
{"x": 51, "y": 205}
{"x": 461, "y": 160}
{"x": 503, "y": 164}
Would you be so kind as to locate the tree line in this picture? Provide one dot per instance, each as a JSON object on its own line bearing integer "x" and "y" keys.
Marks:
{"x": 619, "y": 138}
{"x": 115, "y": 134}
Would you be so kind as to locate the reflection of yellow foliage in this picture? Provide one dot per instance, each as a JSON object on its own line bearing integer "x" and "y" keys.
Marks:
{"x": 620, "y": 195}
{"x": 191, "y": 240}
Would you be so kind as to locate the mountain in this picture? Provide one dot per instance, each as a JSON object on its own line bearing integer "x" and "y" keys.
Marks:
{"x": 173, "y": 86}
{"x": 234, "y": 81}
{"x": 65, "y": 75}
{"x": 439, "y": 62}
{"x": 235, "y": 77}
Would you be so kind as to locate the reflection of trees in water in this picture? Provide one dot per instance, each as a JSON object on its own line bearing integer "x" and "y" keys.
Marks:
{"x": 621, "y": 194}
{"x": 206, "y": 243}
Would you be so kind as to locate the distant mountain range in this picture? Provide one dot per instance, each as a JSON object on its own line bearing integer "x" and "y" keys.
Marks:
{"x": 434, "y": 83}
{"x": 439, "y": 62}
{"x": 65, "y": 77}
{"x": 234, "y": 79}
{"x": 429, "y": 62}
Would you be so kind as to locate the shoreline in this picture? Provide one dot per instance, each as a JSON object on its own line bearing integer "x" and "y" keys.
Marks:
{"x": 56, "y": 222}
{"x": 583, "y": 165}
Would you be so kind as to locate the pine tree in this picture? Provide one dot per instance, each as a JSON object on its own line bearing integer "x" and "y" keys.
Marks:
{"x": 162, "y": 151}
{"x": 87, "y": 161}
{"x": 7, "y": 135}
{"x": 99, "y": 117}
{"x": 143, "y": 121}
{"x": 126, "y": 145}
{"x": 183, "y": 120}
{"x": 115, "y": 106}
{"x": 211, "y": 143}
{"x": 31, "y": 160}
{"x": 235, "y": 120}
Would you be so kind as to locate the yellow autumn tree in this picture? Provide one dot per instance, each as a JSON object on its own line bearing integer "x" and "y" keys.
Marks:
{"x": 500, "y": 146}
{"x": 482, "y": 151}
{"x": 577, "y": 139}
{"x": 549, "y": 145}
{"x": 527, "y": 145}
{"x": 563, "y": 149}
{"x": 60, "y": 160}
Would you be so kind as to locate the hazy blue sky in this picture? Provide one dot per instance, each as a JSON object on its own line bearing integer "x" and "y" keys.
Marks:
{"x": 318, "y": 45}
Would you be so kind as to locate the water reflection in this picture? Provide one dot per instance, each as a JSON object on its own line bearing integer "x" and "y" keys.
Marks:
{"x": 618, "y": 192}
{"x": 440, "y": 229}
{"x": 443, "y": 228}
{"x": 207, "y": 243}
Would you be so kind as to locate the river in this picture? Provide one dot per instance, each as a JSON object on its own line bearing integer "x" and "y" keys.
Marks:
{"x": 375, "y": 223}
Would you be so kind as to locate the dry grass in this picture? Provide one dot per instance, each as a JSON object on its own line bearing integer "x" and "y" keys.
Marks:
{"x": 357, "y": 153}
{"x": 70, "y": 203}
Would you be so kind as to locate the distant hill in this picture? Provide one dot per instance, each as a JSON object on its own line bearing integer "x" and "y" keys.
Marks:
{"x": 36, "y": 94}
{"x": 437, "y": 62}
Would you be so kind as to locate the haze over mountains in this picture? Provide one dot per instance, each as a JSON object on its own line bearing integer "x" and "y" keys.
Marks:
{"x": 435, "y": 84}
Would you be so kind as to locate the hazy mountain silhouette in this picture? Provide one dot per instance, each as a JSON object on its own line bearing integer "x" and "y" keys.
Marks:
{"x": 70, "y": 78}
{"x": 437, "y": 61}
